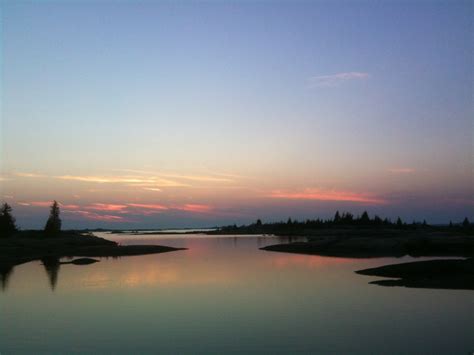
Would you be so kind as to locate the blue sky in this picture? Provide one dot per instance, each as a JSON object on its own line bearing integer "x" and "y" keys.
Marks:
{"x": 309, "y": 101}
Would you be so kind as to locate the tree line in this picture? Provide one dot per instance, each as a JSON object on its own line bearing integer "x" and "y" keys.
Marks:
{"x": 53, "y": 224}
{"x": 8, "y": 222}
{"x": 342, "y": 220}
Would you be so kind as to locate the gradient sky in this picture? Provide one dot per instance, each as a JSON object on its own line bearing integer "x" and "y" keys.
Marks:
{"x": 163, "y": 114}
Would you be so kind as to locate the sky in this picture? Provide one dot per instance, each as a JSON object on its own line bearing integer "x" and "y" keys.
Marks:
{"x": 160, "y": 114}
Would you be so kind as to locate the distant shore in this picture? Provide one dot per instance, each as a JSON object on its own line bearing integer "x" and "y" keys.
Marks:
{"x": 357, "y": 243}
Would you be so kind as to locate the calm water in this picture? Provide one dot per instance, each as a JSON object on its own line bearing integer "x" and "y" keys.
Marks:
{"x": 221, "y": 296}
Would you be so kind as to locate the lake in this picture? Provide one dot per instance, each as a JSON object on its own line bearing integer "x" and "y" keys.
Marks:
{"x": 223, "y": 295}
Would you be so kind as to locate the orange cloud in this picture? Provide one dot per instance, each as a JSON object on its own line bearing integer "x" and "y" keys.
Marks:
{"x": 331, "y": 195}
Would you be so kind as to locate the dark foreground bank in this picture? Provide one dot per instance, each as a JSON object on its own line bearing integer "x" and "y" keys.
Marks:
{"x": 441, "y": 274}
{"x": 27, "y": 246}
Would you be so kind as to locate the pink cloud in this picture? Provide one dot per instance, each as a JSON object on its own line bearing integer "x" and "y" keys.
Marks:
{"x": 148, "y": 206}
{"x": 106, "y": 207}
{"x": 329, "y": 195}
{"x": 95, "y": 216}
{"x": 195, "y": 208}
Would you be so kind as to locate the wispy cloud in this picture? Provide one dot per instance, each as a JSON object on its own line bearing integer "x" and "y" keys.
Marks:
{"x": 200, "y": 178}
{"x": 336, "y": 79}
{"x": 152, "y": 181}
{"x": 115, "y": 212}
{"x": 36, "y": 203}
{"x": 327, "y": 195}
{"x": 152, "y": 189}
{"x": 137, "y": 181}
{"x": 30, "y": 175}
{"x": 216, "y": 177}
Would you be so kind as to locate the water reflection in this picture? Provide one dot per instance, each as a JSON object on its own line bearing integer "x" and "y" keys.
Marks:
{"x": 52, "y": 265}
{"x": 206, "y": 261}
{"x": 224, "y": 295}
{"x": 5, "y": 274}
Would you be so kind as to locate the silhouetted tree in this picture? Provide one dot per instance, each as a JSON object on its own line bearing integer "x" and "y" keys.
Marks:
{"x": 424, "y": 223}
{"x": 450, "y": 224}
{"x": 337, "y": 217}
{"x": 399, "y": 222}
{"x": 466, "y": 223}
{"x": 7, "y": 221}
{"x": 53, "y": 225}
{"x": 364, "y": 219}
{"x": 377, "y": 220}
{"x": 347, "y": 218}
{"x": 259, "y": 223}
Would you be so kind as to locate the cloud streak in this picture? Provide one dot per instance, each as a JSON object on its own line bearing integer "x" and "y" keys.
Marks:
{"x": 327, "y": 195}
{"x": 336, "y": 79}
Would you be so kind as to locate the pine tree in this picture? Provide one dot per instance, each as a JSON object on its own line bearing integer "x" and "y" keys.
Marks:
{"x": 377, "y": 220}
{"x": 53, "y": 225}
{"x": 7, "y": 221}
{"x": 337, "y": 217}
{"x": 364, "y": 219}
{"x": 466, "y": 223}
{"x": 399, "y": 222}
